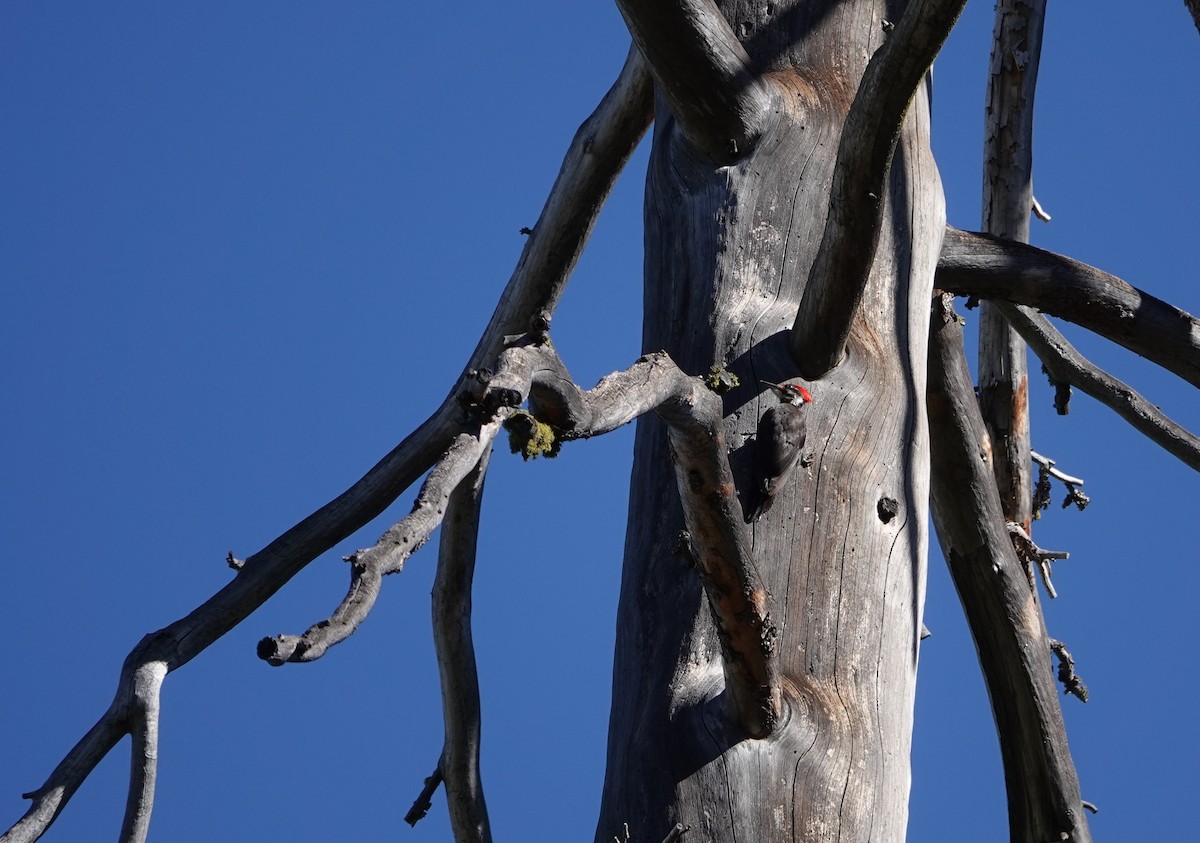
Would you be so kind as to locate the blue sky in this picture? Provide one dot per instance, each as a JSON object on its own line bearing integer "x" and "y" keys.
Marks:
{"x": 246, "y": 247}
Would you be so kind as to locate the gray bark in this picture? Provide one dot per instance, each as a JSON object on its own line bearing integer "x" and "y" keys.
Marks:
{"x": 1000, "y": 602}
{"x": 729, "y": 251}
{"x": 600, "y": 148}
{"x": 1007, "y": 204}
{"x": 459, "y": 764}
{"x": 990, "y": 268}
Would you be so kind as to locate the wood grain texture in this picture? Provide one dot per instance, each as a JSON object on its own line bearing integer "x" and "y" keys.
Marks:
{"x": 1007, "y": 205}
{"x": 729, "y": 251}
{"x": 974, "y": 264}
{"x": 454, "y": 643}
{"x": 839, "y": 275}
{"x": 1065, "y": 365}
{"x": 1000, "y": 603}
{"x": 703, "y": 71}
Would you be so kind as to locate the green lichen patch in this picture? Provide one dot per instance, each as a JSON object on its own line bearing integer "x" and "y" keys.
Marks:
{"x": 720, "y": 380}
{"x": 531, "y": 438}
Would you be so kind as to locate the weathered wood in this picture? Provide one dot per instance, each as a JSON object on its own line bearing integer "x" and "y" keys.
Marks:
{"x": 847, "y": 253}
{"x": 601, "y": 147}
{"x": 1001, "y": 606}
{"x": 988, "y": 267}
{"x": 729, "y": 251}
{"x": 703, "y": 71}
{"x": 1007, "y": 204}
{"x": 459, "y": 763}
{"x": 1065, "y": 365}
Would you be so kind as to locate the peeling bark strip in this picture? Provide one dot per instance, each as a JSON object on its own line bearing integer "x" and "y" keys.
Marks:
{"x": 1007, "y": 203}
{"x": 988, "y": 267}
{"x": 1002, "y": 610}
{"x": 720, "y": 542}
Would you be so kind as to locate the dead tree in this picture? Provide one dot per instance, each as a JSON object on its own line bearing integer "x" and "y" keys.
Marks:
{"x": 795, "y": 231}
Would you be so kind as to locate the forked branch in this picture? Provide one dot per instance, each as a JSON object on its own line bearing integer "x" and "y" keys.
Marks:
{"x": 597, "y": 154}
{"x": 1002, "y": 611}
{"x": 388, "y": 555}
{"x": 847, "y": 251}
{"x": 712, "y": 515}
{"x": 703, "y": 71}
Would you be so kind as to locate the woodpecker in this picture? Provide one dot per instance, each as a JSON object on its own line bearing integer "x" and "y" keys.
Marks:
{"x": 781, "y": 432}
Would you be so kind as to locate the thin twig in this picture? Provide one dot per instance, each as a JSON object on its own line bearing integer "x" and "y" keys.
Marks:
{"x": 388, "y": 555}
{"x": 597, "y": 154}
{"x": 1057, "y": 474}
{"x": 424, "y": 801}
{"x": 1046, "y": 470}
{"x": 1038, "y": 210}
{"x": 1072, "y": 684}
{"x": 1033, "y": 556}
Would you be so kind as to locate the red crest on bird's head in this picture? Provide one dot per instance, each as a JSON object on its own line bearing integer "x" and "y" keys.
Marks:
{"x": 801, "y": 391}
{"x": 792, "y": 393}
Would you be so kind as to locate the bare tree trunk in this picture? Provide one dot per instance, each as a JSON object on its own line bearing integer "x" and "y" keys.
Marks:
{"x": 842, "y": 553}
{"x": 1007, "y": 205}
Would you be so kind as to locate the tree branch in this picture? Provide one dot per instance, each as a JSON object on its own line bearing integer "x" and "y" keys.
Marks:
{"x": 459, "y": 764}
{"x": 973, "y": 264}
{"x": 703, "y": 71}
{"x": 601, "y": 147}
{"x": 424, "y": 801}
{"x": 1002, "y": 611}
{"x": 847, "y": 251}
{"x": 719, "y": 538}
{"x": 1194, "y": 8}
{"x": 388, "y": 555}
{"x": 147, "y": 688}
{"x": 1071, "y": 682}
{"x": 1007, "y": 202}
{"x": 134, "y": 710}
{"x": 1046, "y": 470}
{"x": 1066, "y": 365}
